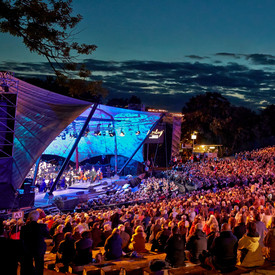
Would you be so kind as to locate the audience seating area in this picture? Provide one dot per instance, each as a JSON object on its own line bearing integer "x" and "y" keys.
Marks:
{"x": 140, "y": 266}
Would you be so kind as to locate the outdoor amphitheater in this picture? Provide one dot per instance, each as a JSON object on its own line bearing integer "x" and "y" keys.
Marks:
{"x": 78, "y": 195}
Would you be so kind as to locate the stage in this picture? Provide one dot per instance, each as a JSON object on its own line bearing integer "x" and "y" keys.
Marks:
{"x": 85, "y": 188}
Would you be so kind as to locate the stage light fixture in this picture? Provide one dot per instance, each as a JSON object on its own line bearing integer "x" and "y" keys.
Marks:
{"x": 87, "y": 131}
{"x": 112, "y": 133}
{"x": 97, "y": 132}
{"x": 111, "y": 130}
{"x": 122, "y": 134}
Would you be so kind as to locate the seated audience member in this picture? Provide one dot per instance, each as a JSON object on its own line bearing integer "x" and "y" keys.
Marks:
{"x": 196, "y": 243}
{"x": 66, "y": 251}
{"x": 207, "y": 225}
{"x": 76, "y": 235}
{"x": 250, "y": 248}
{"x": 83, "y": 248}
{"x": 155, "y": 228}
{"x": 107, "y": 231}
{"x": 96, "y": 235}
{"x": 174, "y": 249}
{"x": 138, "y": 240}
{"x": 224, "y": 250}
{"x": 260, "y": 228}
{"x": 68, "y": 227}
{"x": 128, "y": 229}
{"x": 269, "y": 241}
{"x": 240, "y": 229}
{"x": 125, "y": 237}
{"x": 113, "y": 246}
{"x": 183, "y": 226}
{"x": 58, "y": 237}
{"x": 49, "y": 221}
{"x": 214, "y": 232}
{"x": 192, "y": 228}
{"x": 267, "y": 218}
{"x": 162, "y": 237}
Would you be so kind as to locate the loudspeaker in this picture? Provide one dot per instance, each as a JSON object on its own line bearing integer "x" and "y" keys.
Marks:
{"x": 27, "y": 185}
{"x": 26, "y": 200}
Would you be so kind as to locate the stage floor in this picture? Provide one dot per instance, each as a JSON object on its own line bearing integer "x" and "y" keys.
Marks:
{"x": 98, "y": 188}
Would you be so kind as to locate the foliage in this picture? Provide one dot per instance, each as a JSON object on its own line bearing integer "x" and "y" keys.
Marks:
{"x": 218, "y": 122}
{"x": 123, "y": 102}
{"x": 47, "y": 28}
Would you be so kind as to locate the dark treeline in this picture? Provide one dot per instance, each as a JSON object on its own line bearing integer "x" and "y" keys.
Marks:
{"x": 219, "y": 122}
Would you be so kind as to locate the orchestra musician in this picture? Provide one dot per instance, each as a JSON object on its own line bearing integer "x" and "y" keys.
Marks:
{"x": 93, "y": 174}
{"x": 99, "y": 174}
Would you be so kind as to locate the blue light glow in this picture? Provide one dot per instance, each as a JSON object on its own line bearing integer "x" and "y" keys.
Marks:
{"x": 103, "y": 132}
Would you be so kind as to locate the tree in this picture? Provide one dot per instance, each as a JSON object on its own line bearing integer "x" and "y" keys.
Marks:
{"x": 118, "y": 102}
{"x": 205, "y": 114}
{"x": 134, "y": 100}
{"x": 267, "y": 120}
{"x": 216, "y": 121}
{"x": 47, "y": 28}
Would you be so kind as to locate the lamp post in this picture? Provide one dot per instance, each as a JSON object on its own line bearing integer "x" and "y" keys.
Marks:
{"x": 193, "y": 137}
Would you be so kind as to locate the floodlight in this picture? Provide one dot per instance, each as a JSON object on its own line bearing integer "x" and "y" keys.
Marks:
{"x": 122, "y": 134}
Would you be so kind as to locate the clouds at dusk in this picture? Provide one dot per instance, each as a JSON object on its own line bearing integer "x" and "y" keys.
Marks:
{"x": 244, "y": 79}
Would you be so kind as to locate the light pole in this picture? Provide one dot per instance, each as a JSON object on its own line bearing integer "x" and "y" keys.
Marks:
{"x": 193, "y": 137}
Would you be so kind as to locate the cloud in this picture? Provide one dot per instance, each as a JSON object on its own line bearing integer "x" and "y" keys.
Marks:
{"x": 169, "y": 85}
{"x": 261, "y": 59}
{"x": 197, "y": 57}
{"x": 230, "y": 55}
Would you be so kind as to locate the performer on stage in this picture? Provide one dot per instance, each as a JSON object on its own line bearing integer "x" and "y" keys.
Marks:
{"x": 99, "y": 174}
{"x": 93, "y": 174}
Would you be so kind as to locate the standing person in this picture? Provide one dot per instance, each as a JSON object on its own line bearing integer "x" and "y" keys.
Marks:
{"x": 33, "y": 237}
{"x": 11, "y": 251}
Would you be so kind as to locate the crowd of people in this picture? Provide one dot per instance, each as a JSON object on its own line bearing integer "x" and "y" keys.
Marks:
{"x": 232, "y": 223}
{"x": 246, "y": 168}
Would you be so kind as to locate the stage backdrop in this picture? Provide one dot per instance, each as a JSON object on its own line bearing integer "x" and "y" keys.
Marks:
{"x": 109, "y": 127}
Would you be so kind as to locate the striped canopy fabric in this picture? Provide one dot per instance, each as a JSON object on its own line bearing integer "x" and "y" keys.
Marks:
{"x": 40, "y": 117}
